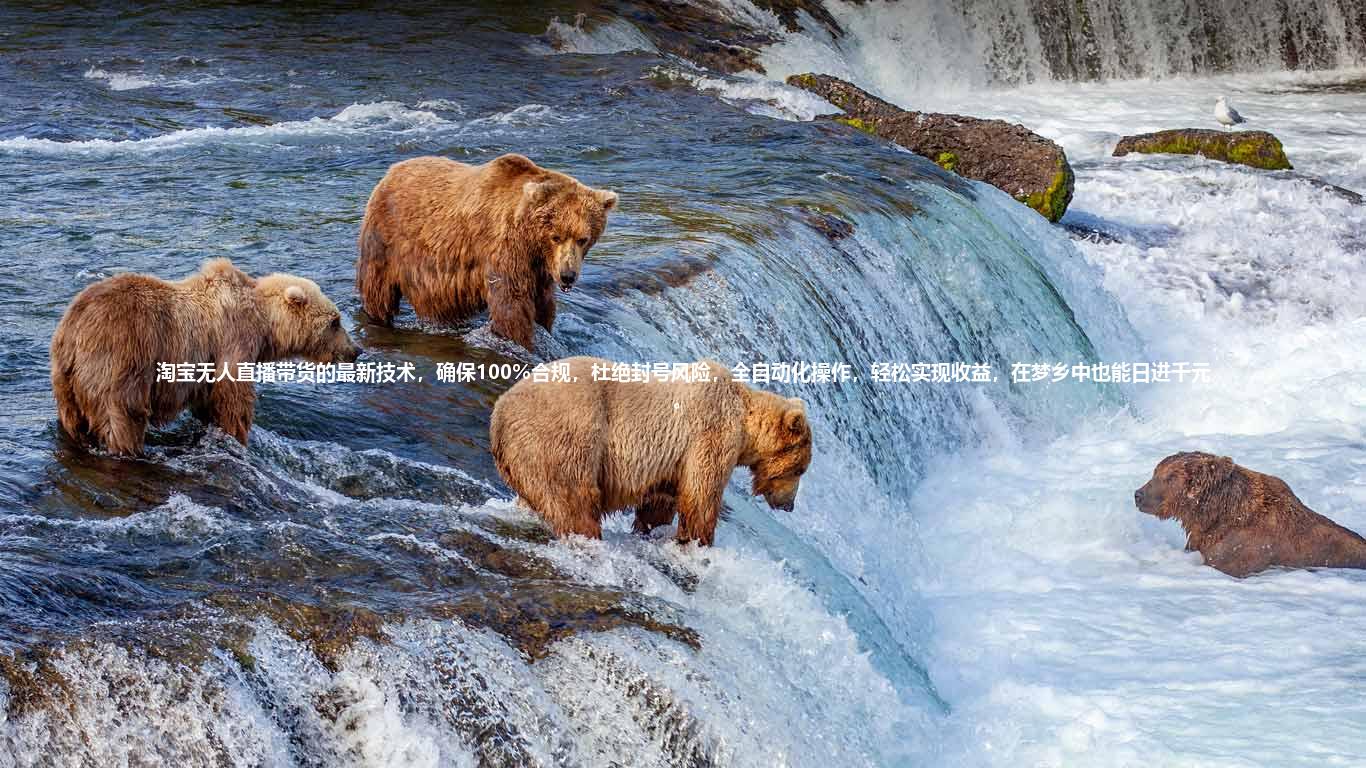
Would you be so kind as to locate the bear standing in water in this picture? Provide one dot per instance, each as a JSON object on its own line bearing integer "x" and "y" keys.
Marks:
{"x": 456, "y": 238}
{"x": 106, "y": 349}
{"x": 1242, "y": 521}
{"x": 578, "y": 450}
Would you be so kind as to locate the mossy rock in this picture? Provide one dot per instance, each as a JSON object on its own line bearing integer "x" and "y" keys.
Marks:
{"x": 854, "y": 122}
{"x": 1010, "y": 157}
{"x": 1255, "y": 149}
{"x": 1053, "y": 201}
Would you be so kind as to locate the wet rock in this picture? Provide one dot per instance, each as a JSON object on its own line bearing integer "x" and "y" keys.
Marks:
{"x": 489, "y": 556}
{"x": 329, "y": 631}
{"x": 1010, "y": 157}
{"x": 1092, "y": 234}
{"x": 1355, "y": 198}
{"x": 698, "y": 33}
{"x": 710, "y": 35}
{"x": 828, "y": 224}
{"x": 533, "y": 616}
{"x": 1255, "y": 149}
{"x": 32, "y": 680}
{"x": 650, "y": 277}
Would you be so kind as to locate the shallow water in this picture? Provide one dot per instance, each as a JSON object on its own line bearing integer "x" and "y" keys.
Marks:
{"x": 964, "y": 579}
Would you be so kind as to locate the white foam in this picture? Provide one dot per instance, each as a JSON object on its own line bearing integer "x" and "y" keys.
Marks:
{"x": 525, "y": 115}
{"x": 1071, "y": 629}
{"x": 442, "y": 105}
{"x": 119, "y": 81}
{"x": 757, "y": 95}
{"x": 179, "y": 518}
{"x": 117, "y": 708}
{"x": 611, "y": 36}
{"x": 384, "y": 116}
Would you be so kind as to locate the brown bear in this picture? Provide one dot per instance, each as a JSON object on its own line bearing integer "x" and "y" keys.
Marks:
{"x": 1242, "y": 521}
{"x": 108, "y": 344}
{"x": 457, "y": 238}
{"x": 575, "y": 451}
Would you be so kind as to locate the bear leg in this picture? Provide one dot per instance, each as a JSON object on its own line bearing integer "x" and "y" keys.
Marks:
{"x": 512, "y": 308}
{"x": 656, "y": 509}
{"x": 571, "y": 512}
{"x": 379, "y": 294}
{"x": 68, "y": 411}
{"x": 233, "y": 406}
{"x": 123, "y": 432}
{"x": 700, "y": 489}
{"x": 545, "y": 304}
{"x": 566, "y": 497}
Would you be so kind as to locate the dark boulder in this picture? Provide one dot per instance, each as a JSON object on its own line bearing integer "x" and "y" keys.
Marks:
{"x": 1007, "y": 156}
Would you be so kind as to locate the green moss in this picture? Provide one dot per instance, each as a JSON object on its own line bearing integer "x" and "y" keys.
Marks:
{"x": 1052, "y": 202}
{"x": 244, "y": 660}
{"x": 237, "y": 184}
{"x": 947, "y": 160}
{"x": 1267, "y": 154}
{"x": 807, "y": 81}
{"x": 1250, "y": 148}
{"x": 854, "y": 122}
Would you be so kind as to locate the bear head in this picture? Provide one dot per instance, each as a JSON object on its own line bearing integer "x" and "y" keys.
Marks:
{"x": 303, "y": 322}
{"x": 1187, "y": 486}
{"x": 564, "y": 218}
{"x": 780, "y": 447}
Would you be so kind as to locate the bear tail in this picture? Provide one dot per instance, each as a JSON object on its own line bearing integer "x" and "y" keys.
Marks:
{"x": 378, "y": 292}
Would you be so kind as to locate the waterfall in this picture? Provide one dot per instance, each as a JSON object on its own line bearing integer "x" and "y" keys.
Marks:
{"x": 904, "y": 46}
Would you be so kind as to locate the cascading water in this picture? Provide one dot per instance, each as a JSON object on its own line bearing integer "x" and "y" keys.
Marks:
{"x": 961, "y": 581}
{"x": 914, "y": 45}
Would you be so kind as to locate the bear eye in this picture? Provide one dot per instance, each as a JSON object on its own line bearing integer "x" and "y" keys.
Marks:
{"x": 583, "y": 242}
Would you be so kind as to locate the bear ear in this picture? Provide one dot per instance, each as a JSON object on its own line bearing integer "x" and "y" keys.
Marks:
{"x": 514, "y": 163}
{"x": 794, "y": 420}
{"x": 1212, "y": 471}
{"x": 296, "y": 296}
{"x": 536, "y": 193}
{"x": 607, "y": 198}
{"x": 1223, "y": 467}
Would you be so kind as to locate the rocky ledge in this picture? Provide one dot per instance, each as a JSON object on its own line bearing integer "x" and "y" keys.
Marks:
{"x": 1007, "y": 156}
{"x": 1256, "y": 149}
{"x": 711, "y": 34}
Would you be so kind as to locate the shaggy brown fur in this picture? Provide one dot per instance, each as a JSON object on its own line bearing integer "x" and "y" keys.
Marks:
{"x": 457, "y": 238}
{"x": 1243, "y": 521}
{"x": 575, "y": 451}
{"x": 106, "y": 349}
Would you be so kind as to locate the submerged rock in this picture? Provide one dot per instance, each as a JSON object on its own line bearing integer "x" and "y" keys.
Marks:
{"x": 1255, "y": 149}
{"x": 1007, "y": 156}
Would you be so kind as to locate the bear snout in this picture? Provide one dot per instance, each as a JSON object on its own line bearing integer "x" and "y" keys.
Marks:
{"x": 1147, "y": 500}
{"x": 349, "y": 354}
{"x": 782, "y": 501}
{"x": 567, "y": 279}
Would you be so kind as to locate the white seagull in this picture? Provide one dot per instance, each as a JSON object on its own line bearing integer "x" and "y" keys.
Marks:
{"x": 1226, "y": 115}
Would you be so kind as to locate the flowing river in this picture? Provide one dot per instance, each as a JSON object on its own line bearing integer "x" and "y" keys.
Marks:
{"x": 964, "y": 580}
